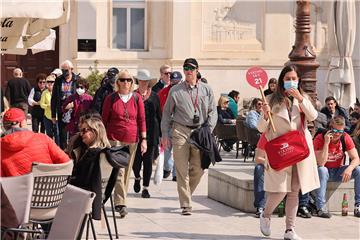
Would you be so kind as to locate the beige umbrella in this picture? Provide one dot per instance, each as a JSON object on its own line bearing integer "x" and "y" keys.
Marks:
{"x": 340, "y": 76}
{"x": 24, "y": 24}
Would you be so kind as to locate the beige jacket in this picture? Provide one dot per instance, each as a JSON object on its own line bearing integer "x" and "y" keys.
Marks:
{"x": 280, "y": 181}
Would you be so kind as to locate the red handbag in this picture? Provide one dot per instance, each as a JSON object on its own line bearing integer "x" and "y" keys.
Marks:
{"x": 288, "y": 149}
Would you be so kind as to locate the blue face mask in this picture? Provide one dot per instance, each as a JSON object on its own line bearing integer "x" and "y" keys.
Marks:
{"x": 291, "y": 84}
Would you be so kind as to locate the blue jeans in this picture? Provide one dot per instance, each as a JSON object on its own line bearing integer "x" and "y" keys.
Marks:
{"x": 51, "y": 130}
{"x": 334, "y": 175}
{"x": 304, "y": 200}
{"x": 259, "y": 192}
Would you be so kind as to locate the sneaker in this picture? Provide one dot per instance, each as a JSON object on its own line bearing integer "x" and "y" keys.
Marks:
{"x": 166, "y": 174}
{"x": 303, "y": 212}
{"x": 323, "y": 213}
{"x": 122, "y": 210}
{"x": 357, "y": 211}
{"x": 137, "y": 186}
{"x": 265, "y": 225}
{"x": 186, "y": 211}
{"x": 290, "y": 234}
{"x": 145, "y": 193}
{"x": 259, "y": 211}
{"x": 174, "y": 179}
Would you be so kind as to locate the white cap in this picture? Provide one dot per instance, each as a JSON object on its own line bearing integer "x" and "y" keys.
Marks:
{"x": 57, "y": 72}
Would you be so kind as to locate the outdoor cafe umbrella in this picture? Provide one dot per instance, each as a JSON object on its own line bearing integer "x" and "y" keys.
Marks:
{"x": 26, "y": 23}
{"x": 340, "y": 75}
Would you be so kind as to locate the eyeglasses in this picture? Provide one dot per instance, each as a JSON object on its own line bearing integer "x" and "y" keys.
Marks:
{"x": 85, "y": 130}
{"x": 334, "y": 130}
{"x": 167, "y": 73}
{"x": 125, "y": 79}
{"x": 259, "y": 104}
{"x": 42, "y": 82}
{"x": 189, "y": 68}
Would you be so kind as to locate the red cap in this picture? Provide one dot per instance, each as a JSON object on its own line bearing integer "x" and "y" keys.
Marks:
{"x": 14, "y": 115}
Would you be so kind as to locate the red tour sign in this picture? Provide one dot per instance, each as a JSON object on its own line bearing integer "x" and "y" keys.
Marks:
{"x": 256, "y": 77}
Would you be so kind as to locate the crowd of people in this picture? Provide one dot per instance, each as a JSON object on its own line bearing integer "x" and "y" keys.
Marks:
{"x": 175, "y": 117}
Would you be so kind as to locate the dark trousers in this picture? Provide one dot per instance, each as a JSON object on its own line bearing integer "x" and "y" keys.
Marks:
{"x": 146, "y": 160}
{"x": 63, "y": 136}
{"x": 304, "y": 199}
{"x": 36, "y": 122}
{"x": 51, "y": 130}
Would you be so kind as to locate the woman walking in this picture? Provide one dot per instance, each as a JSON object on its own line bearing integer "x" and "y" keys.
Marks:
{"x": 37, "y": 113}
{"x": 124, "y": 118}
{"x": 153, "y": 119}
{"x": 291, "y": 109}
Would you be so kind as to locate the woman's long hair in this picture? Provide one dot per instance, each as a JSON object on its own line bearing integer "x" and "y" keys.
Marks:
{"x": 95, "y": 123}
{"x": 279, "y": 96}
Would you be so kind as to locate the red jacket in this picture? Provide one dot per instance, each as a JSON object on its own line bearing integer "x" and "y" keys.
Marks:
{"x": 118, "y": 127}
{"x": 20, "y": 149}
{"x": 163, "y": 94}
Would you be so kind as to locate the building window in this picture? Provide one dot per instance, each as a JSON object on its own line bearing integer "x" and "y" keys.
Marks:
{"x": 129, "y": 24}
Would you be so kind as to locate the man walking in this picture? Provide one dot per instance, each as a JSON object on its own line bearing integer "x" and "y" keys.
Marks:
{"x": 189, "y": 105}
{"x": 18, "y": 90}
{"x": 164, "y": 81}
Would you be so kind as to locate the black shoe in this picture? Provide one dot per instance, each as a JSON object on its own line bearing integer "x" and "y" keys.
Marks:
{"x": 166, "y": 174}
{"x": 323, "y": 214}
{"x": 122, "y": 210}
{"x": 174, "y": 179}
{"x": 357, "y": 211}
{"x": 186, "y": 211}
{"x": 145, "y": 194}
{"x": 259, "y": 211}
{"x": 137, "y": 186}
{"x": 303, "y": 212}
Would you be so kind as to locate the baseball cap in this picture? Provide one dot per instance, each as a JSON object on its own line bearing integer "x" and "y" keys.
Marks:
{"x": 191, "y": 62}
{"x": 57, "y": 72}
{"x": 175, "y": 76}
{"x": 14, "y": 115}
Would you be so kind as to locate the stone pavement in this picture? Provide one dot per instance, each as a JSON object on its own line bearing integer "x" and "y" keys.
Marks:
{"x": 159, "y": 218}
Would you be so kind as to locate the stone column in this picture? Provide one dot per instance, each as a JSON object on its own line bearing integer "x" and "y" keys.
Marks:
{"x": 302, "y": 53}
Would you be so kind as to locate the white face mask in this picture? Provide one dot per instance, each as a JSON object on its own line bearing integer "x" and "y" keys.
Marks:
{"x": 80, "y": 91}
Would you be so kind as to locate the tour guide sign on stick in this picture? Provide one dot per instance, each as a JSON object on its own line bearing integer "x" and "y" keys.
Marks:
{"x": 258, "y": 78}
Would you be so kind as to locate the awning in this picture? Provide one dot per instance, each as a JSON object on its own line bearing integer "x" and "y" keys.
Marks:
{"x": 26, "y": 23}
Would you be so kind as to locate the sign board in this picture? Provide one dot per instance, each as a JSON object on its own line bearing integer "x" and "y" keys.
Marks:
{"x": 256, "y": 77}
{"x": 86, "y": 45}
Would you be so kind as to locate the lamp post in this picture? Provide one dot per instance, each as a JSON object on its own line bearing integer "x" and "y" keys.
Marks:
{"x": 302, "y": 54}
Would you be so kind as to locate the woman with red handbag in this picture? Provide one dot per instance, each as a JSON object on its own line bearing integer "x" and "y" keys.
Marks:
{"x": 291, "y": 109}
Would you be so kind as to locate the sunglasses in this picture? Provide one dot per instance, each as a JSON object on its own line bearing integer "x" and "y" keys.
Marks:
{"x": 42, "y": 82}
{"x": 85, "y": 130}
{"x": 226, "y": 102}
{"x": 81, "y": 87}
{"x": 50, "y": 82}
{"x": 125, "y": 80}
{"x": 189, "y": 68}
{"x": 167, "y": 73}
{"x": 334, "y": 130}
{"x": 259, "y": 104}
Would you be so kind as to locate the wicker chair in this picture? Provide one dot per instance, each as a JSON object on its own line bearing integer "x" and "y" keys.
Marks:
{"x": 253, "y": 136}
{"x": 241, "y": 136}
{"x": 224, "y": 132}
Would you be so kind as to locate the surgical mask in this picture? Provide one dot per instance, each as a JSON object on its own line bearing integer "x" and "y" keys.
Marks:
{"x": 291, "y": 84}
{"x": 80, "y": 91}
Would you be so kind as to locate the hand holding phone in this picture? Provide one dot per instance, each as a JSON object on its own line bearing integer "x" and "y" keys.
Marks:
{"x": 328, "y": 136}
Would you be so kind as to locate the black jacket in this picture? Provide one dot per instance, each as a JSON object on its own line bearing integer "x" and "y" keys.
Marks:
{"x": 36, "y": 110}
{"x": 224, "y": 116}
{"x": 100, "y": 96}
{"x": 338, "y": 111}
{"x": 58, "y": 98}
{"x": 18, "y": 90}
{"x": 87, "y": 175}
{"x": 158, "y": 86}
{"x": 203, "y": 139}
{"x": 153, "y": 119}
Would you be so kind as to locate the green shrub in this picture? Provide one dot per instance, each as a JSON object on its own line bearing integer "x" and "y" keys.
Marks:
{"x": 94, "y": 79}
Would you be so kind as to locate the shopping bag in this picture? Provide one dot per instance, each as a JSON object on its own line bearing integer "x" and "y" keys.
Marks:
{"x": 159, "y": 172}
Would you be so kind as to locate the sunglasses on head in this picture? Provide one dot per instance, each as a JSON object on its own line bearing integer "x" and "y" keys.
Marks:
{"x": 125, "y": 80}
{"x": 189, "y": 68}
{"x": 85, "y": 130}
{"x": 334, "y": 130}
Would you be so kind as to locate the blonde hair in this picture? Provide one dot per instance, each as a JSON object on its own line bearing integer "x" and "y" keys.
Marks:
{"x": 124, "y": 74}
{"x": 338, "y": 121}
{"x": 222, "y": 100}
{"x": 163, "y": 67}
{"x": 95, "y": 123}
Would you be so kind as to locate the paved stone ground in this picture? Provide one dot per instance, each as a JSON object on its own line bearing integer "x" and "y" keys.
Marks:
{"x": 159, "y": 218}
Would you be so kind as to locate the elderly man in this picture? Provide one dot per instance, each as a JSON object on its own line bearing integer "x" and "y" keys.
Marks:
{"x": 164, "y": 81}
{"x": 21, "y": 147}
{"x": 18, "y": 90}
{"x": 64, "y": 86}
{"x": 330, "y": 151}
{"x": 188, "y": 106}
